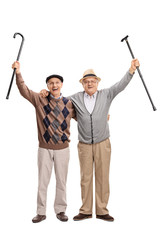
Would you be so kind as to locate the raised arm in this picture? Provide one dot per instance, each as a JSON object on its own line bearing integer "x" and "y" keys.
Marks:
{"x": 24, "y": 90}
{"x": 120, "y": 86}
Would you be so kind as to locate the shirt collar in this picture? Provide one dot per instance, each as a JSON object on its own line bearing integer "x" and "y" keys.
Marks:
{"x": 56, "y": 98}
{"x": 88, "y": 96}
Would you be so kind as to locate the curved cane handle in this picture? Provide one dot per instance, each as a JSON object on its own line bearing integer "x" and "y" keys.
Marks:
{"x": 14, "y": 70}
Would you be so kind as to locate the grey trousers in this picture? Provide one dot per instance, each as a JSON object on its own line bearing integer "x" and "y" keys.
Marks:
{"x": 46, "y": 159}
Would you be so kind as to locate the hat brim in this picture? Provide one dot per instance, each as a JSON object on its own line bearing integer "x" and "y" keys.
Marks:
{"x": 99, "y": 79}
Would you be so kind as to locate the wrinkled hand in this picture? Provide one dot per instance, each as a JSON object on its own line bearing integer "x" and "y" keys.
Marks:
{"x": 17, "y": 66}
{"x": 134, "y": 64}
{"x": 43, "y": 93}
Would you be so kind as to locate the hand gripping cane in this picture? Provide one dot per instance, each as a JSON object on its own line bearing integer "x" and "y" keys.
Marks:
{"x": 126, "y": 39}
{"x": 14, "y": 70}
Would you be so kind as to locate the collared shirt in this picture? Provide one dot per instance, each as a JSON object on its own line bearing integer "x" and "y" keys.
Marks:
{"x": 90, "y": 101}
{"x": 58, "y": 97}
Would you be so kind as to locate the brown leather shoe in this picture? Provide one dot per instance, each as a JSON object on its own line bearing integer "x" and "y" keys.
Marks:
{"x": 82, "y": 216}
{"x": 105, "y": 217}
{"x": 62, "y": 217}
{"x": 38, "y": 218}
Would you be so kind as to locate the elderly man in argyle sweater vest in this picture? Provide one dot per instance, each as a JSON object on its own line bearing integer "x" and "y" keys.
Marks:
{"x": 53, "y": 120}
{"x": 94, "y": 148}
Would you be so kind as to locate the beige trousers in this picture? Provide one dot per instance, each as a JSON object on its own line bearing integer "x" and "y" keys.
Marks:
{"x": 98, "y": 156}
{"x": 46, "y": 159}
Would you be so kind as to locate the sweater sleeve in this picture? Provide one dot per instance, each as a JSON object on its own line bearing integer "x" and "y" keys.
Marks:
{"x": 120, "y": 86}
{"x": 72, "y": 111}
{"x": 31, "y": 96}
{"x": 74, "y": 114}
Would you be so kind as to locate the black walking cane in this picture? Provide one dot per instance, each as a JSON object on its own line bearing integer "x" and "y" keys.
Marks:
{"x": 126, "y": 39}
{"x": 14, "y": 70}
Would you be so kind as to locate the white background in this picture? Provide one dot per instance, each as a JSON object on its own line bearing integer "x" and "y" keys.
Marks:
{"x": 68, "y": 37}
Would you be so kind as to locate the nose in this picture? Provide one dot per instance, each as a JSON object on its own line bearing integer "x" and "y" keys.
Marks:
{"x": 54, "y": 84}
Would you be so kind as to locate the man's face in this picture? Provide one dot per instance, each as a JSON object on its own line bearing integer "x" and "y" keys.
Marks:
{"x": 54, "y": 85}
{"x": 90, "y": 85}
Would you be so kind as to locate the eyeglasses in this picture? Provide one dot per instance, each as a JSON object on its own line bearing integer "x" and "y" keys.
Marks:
{"x": 92, "y": 81}
{"x": 53, "y": 83}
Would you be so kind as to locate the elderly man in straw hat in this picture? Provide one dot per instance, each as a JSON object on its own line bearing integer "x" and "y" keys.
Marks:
{"x": 94, "y": 148}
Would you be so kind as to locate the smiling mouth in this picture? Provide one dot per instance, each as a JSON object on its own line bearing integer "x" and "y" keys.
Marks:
{"x": 54, "y": 89}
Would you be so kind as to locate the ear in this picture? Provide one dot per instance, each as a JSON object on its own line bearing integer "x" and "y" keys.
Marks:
{"x": 83, "y": 85}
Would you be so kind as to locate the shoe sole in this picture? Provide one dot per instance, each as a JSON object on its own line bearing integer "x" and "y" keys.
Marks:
{"x": 62, "y": 220}
{"x": 111, "y": 220}
{"x": 82, "y": 218}
{"x": 39, "y": 221}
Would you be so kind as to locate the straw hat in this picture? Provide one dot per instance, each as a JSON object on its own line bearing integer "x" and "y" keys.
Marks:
{"x": 89, "y": 73}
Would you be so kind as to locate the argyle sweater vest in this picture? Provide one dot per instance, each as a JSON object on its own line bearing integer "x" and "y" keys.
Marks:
{"x": 53, "y": 117}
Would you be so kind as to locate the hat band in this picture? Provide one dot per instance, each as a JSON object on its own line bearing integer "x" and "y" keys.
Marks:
{"x": 90, "y": 75}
